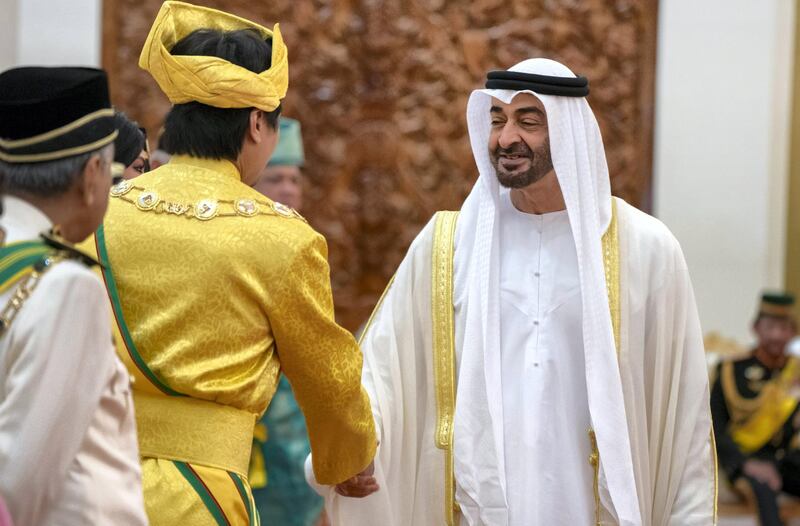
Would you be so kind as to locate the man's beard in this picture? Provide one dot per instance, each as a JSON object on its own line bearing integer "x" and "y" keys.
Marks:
{"x": 539, "y": 164}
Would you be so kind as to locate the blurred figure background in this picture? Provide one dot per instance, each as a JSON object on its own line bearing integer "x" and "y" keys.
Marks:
{"x": 131, "y": 151}
{"x": 282, "y": 179}
{"x": 754, "y": 403}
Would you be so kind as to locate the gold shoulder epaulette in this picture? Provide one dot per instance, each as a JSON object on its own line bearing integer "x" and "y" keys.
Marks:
{"x": 204, "y": 209}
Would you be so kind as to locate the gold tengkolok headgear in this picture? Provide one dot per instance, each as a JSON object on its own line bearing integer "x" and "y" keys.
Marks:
{"x": 211, "y": 80}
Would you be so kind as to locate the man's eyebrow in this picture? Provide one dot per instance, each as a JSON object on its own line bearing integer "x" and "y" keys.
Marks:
{"x": 496, "y": 109}
{"x": 530, "y": 109}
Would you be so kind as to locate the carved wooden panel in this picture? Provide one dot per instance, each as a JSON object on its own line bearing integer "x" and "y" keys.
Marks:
{"x": 381, "y": 86}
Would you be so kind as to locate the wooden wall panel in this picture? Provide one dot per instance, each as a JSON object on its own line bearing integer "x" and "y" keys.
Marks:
{"x": 381, "y": 87}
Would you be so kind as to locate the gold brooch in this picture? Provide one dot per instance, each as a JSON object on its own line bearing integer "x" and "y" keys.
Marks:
{"x": 282, "y": 209}
{"x": 246, "y": 207}
{"x": 121, "y": 188}
{"x": 205, "y": 209}
{"x": 147, "y": 201}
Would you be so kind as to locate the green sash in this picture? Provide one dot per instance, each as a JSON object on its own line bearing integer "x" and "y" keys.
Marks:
{"x": 18, "y": 260}
{"x": 145, "y": 379}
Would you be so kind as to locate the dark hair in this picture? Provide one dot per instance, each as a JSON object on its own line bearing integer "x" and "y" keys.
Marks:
{"x": 204, "y": 131}
{"x": 130, "y": 141}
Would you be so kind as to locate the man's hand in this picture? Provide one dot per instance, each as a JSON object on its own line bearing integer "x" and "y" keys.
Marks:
{"x": 764, "y": 472}
{"x": 360, "y": 486}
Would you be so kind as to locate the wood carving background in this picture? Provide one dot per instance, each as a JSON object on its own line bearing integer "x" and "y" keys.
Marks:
{"x": 381, "y": 87}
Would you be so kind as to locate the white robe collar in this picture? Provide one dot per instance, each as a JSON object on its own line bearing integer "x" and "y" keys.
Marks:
{"x": 21, "y": 220}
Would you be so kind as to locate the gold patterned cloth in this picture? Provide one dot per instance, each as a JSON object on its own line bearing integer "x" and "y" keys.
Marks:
{"x": 221, "y": 289}
{"x": 211, "y": 80}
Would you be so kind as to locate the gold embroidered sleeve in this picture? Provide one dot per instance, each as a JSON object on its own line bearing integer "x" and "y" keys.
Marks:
{"x": 323, "y": 363}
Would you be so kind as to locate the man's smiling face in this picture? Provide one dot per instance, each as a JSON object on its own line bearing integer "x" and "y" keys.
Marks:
{"x": 519, "y": 142}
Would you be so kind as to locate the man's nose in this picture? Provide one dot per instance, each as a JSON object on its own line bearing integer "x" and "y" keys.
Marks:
{"x": 508, "y": 136}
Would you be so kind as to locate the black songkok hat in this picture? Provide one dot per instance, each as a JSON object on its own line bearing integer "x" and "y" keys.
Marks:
{"x": 53, "y": 113}
{"x": 778, "y": 305}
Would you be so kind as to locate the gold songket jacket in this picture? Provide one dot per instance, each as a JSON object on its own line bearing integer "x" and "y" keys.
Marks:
{"x": 216, "y": 290}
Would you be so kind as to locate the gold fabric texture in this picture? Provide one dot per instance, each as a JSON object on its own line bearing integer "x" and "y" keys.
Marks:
{"x": 211, "y": 80}
{"x": 195, "y": 431}
{"x": 218, "y": 308}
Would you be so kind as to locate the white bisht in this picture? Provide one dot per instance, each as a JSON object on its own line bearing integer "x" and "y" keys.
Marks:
{"x": 648, "y": 392}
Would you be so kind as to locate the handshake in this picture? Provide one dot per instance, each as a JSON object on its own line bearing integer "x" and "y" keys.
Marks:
{"x": 359, "y": 486}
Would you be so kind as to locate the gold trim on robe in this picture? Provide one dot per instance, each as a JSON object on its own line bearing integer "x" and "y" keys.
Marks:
{"x": 444, "y": 340}
{"x": 444, "y": 349}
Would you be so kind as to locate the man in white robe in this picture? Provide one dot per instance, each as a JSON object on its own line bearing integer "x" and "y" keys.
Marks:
{"x": 538, "y": 360}
{"x": 68, "y": 448}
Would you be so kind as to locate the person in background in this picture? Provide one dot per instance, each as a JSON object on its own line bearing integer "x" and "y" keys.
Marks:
{"x": 755, "y": 411}
{"x": 68, "y": 447}
{"x": 131, "y": 152}
{"x": 281, "y": 440}
{"x": 282, "y": 179}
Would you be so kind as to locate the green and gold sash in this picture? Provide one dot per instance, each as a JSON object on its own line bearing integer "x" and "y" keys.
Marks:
{"x": 144, "y": 378}
{"x": 767, "y": 413}
{"x": 19, "y": 259}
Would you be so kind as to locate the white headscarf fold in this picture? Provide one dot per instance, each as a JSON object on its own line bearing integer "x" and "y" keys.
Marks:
{"x": 580, "y": 165}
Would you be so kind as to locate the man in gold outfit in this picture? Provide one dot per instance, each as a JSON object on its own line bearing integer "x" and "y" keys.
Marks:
{"x": 217, "y": 289}
{"x": 755, "y": 409}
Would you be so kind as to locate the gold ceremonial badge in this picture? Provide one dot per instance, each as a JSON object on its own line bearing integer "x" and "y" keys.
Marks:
{"x": 147, "y": 201}
{"x": 121, "y": 188}
{"x": 246, "y": 207}
{"x": 282, "y": 209}
{"x": 205, "y": 209}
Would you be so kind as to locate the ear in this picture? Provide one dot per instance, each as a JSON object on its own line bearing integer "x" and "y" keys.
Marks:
{"x": 254, "y": 129}
{"x": 91, "y": 178}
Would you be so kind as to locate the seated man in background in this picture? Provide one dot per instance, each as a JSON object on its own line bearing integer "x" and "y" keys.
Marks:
{"x": 756, "y": 414}
{"x": 281, "y": 440}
